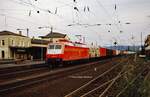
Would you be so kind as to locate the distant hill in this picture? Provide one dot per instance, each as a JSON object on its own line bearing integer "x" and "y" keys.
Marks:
{"x": 130, "y": 48}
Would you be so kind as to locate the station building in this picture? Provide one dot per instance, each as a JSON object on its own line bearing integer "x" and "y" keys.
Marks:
{"x": 18, "y": 46}
{"x": 14, "y": 46}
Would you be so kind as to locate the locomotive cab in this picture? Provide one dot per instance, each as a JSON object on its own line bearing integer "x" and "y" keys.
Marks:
{"x": 54, "y": 49}
{"x": 54, "y": 54}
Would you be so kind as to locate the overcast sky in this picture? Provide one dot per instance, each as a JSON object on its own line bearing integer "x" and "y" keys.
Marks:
{"x": 99, "y": 21}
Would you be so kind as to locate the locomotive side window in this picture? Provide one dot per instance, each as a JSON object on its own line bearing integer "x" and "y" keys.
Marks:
{"x": 51, "y": 46}
{"x": 58, "y": 47}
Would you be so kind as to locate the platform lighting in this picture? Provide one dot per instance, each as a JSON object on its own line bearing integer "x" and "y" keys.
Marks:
{"x": 98, "y": 24}
{"x": 69, "y": 25}
{"x": 121, "y": 31}
{"x": 128, "y": 23}
{"x": 44, "y": 27}
{"x": 109, "y": 24}
{"x": 39, "y": 27}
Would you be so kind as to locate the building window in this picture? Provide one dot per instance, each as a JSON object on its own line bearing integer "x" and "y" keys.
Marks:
{"x": 12, "y": 42}
{"x": 28, "y": 44}
{"x": 3, "y": 42}
{"x": 22, "y": 43}
{"x": 3, "y": 54}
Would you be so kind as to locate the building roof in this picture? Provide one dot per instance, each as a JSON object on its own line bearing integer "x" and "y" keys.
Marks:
{"x": 10, "y": 33}
{"x": 54, "y": 35}
{"x": 39, "y": 41}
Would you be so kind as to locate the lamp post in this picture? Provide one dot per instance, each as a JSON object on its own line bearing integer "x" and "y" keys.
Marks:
{"x": 27, "y": 29}
{"x": 51, "y": 39}
{"x": 133, "y": 42}
{"x": 141, "y": 41}
{"x": 48, "y": 27}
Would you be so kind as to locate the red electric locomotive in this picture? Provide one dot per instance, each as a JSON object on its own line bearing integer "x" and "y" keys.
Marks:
{"x": 58, "y": 53}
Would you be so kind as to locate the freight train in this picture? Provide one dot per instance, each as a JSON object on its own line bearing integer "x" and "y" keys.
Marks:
{"x": 68, "y": 52}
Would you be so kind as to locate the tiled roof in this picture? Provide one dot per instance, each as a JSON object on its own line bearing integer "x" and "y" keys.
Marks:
{"x": 54, "y": 35}
{"x": 38, "y": 41}
{"x": 10, "y": 33}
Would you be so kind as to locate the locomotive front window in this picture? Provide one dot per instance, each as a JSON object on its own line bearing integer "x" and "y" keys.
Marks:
{"x": 58, "y": 47}
{"x": 51, "y": 46}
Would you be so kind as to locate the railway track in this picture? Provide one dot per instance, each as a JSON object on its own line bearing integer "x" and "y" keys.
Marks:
{"x": 20, "y": 74}
{"x": 20, "y": 68}
{"x": 143, "y": 73}
{"x": 103, "y": 81}
{"x": 104, "y": 84}
{"x": 99, "y": 83}
{"x": 25, "y": 78}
